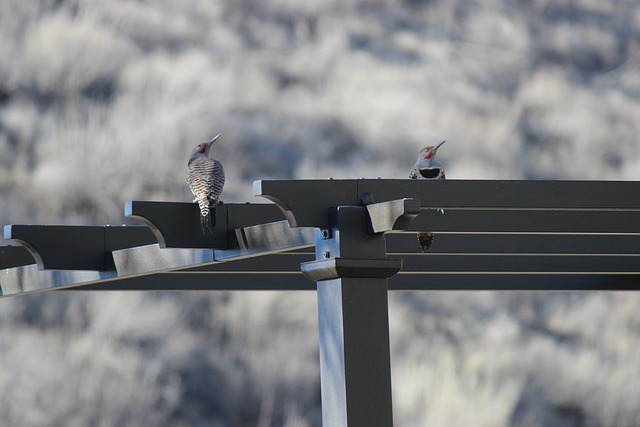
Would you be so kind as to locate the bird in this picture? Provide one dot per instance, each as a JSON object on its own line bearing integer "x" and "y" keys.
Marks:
{"x": 206, "y": 181}
{"x": 427, "y": 167}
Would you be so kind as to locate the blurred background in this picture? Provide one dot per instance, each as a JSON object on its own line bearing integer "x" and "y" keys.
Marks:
{"x": 102, "y": 102}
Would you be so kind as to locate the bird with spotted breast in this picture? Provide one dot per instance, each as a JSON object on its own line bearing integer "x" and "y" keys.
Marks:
{"x": 427, "y": 167}
{"x": 206, "y": 181}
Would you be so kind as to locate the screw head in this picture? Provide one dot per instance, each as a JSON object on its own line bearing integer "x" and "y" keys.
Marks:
{"x": 326, "y": 254}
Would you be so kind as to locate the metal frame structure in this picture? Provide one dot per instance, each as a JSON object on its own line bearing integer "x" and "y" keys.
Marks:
{"x": 356, "y": 240}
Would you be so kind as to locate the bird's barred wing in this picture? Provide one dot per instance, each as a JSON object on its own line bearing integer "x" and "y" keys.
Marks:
{"x": 414, "y": 173}
{"x": 206, "y": 178}
{"x": 217, "y": 181}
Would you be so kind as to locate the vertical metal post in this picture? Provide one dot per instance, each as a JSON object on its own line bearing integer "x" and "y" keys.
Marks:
{"x": 351, "y": 271}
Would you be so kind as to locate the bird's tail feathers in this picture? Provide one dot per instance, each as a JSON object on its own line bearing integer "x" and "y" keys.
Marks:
{"x": 205, "y": 224}
{"x": 208, "y": 219}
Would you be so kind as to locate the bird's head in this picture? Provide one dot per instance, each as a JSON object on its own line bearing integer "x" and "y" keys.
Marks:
{"x": 203, "y": 148}
{"x": 427, "y": 163}
{"x": 429, "y": 152}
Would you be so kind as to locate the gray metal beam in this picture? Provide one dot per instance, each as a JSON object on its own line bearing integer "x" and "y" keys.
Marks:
{"x": 14, "y": 256}
{"x": 514, "y": 282}
{"x": 305, "y": 201}
{"x": 313, "y": 197}
{"x": 435, "y": 262}
{"x": 518, "y": 244}
{"x": 509, "y": 194}
{"x": 404, "y": 281}
{"x": 525, "y": 264}
{"x": 489, "y": 221}
{"x": 64, "y": 247}
{"x": 61, "y": 247}
{"x": 209, "y": 281}
{"x": 177, "y": 225}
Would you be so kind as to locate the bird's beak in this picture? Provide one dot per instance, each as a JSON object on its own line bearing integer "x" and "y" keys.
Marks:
{"x": 214, "y": 139}
{"x": 438, "y": 146}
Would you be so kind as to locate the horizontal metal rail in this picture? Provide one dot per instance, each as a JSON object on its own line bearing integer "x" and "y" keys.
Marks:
{"x": 293, "y": 281}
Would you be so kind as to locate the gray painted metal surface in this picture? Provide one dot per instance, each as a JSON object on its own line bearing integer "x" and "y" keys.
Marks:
{"x": 493, "y": 235}
{"x": 14, "y": 256}
{"x": 448, "y": 194}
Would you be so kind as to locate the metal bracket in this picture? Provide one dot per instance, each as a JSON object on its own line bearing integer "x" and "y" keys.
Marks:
{"x": 392, "y": 215}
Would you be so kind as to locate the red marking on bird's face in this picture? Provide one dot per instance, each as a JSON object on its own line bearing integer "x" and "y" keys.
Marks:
{"x": 202, "y": 148}
{"x": 429, "y": 154}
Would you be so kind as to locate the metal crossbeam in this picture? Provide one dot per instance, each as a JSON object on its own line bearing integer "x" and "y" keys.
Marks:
{"x": 491, "y": 221}
{"x": 304, "y": 201}
{"x": 63, "y": 247}
{"x": 14, "y": 256}
{"x": 480, "y": 243}
{"x": 176, "y": 225}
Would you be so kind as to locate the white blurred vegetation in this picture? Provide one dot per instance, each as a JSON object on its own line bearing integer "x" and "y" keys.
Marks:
{"x": 102, "y": 101}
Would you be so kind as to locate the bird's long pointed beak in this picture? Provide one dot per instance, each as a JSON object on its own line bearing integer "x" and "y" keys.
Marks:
{"x": 214, "y": 139}
{"x": 439, "y": 145}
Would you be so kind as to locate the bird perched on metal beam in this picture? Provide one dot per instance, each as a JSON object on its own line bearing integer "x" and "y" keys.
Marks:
{"x": 206, "y": 181}
{"x": 427, "y": 167}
